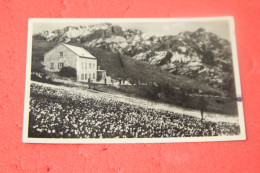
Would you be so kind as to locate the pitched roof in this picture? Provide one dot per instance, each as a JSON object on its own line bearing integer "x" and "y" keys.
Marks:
{"x": 79, "y": 51}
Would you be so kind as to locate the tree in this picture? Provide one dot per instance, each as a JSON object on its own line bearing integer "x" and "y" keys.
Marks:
{"x": 68, "y": 72}
{"x": 202, "y": 105}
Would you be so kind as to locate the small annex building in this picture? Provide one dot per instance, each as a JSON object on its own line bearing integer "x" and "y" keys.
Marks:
{"x": 65, "y": 55}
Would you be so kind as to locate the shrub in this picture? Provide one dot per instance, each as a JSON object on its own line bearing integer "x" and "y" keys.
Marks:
{"x": 42, "y": 77}
{"x": 37, "y": 67}
{"x": 68, "y": 72}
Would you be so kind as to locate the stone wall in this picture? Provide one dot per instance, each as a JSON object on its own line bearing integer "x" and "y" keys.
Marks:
{"x": 68, "y": 58}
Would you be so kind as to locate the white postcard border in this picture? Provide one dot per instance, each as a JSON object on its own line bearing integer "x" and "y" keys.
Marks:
{"x": 230, "y": 19}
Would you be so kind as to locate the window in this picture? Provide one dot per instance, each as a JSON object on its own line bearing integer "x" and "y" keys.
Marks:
{"x": 82, "y": 76}
{"x": 60, "y": 65}
{"x": 86, "y": 76}
{"x": 83, "y": 65}
{"x": 61, "y": 54}
{"x": 89, "y": 65}
{"x": 52, "y": 65}
{"x": 86, "y": 65}
{"x": 89, "y": 76}
{"x": 94, "y": 76}
{"x": 93, "y": 66}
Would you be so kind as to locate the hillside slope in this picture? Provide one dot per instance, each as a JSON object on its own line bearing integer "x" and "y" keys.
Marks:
{"x": 162, "y": 86}
{"x": 121, "y": 66}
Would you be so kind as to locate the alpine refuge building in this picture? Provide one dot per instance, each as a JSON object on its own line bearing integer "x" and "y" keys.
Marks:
{"x": 65, "y": 55}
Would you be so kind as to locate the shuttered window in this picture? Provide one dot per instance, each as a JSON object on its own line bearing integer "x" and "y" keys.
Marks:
{"x": 60, "y": 65}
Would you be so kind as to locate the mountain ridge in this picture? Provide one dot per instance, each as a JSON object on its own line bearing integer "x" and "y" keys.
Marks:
{"x": 199, "y": 55}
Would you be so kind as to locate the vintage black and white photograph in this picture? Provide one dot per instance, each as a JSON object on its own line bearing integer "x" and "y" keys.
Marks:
{"x": 132, "y": 81}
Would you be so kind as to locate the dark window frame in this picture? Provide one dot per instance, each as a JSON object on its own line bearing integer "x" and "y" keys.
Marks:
{"x": 60, "y": 65}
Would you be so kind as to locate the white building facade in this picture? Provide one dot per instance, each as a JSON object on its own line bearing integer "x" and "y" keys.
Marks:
{"x": 65, "y": 55}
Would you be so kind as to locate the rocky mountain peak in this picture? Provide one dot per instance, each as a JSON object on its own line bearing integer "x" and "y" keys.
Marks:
{"x": 199, "y": 54}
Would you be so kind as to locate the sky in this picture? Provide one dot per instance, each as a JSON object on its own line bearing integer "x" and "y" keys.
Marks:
{"x": 158, "y": 28}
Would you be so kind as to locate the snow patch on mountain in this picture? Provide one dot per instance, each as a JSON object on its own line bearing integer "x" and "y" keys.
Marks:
{"x": 156, "y": 59}
{"x": 77, "y": 32}
{"x": 115, "y": 39}
{"x": 177, "y": 57}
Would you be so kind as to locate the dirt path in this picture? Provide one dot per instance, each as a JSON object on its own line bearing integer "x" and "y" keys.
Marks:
{"x": 143, "y": 103}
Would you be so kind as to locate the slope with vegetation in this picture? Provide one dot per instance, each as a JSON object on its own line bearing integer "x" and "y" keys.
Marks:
{"x": 161, "y": 85}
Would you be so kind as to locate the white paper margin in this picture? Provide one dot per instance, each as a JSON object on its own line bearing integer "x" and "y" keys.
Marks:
{"x": 230, "y": 19}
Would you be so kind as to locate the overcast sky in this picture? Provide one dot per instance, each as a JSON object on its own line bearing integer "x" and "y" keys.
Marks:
{"x": 221, "y": 28}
